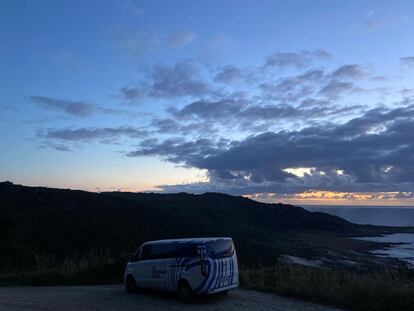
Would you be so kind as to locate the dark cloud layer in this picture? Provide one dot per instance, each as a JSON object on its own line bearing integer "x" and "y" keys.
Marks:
{"x": 248, "y": 127}
{"x": 374, "y": 152}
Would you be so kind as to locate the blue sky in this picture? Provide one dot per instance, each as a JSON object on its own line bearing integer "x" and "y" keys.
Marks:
{"x": 176, "y": 96}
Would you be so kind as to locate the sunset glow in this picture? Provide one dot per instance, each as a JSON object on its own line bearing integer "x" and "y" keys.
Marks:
{"x": 339, "y": 198}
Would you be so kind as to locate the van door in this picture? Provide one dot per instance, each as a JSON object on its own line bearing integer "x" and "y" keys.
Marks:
{"x": 159, "y": 272}
{"x": 141, "y": 268}
{"x": 161, "y": 255}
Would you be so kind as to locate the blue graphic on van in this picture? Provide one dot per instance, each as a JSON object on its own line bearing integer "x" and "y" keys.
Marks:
{"x": 156, "y": 274}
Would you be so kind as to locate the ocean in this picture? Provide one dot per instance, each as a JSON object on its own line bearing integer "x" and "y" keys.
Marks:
{"x": 379, "y": 215}
{"x": 371, "y": 215}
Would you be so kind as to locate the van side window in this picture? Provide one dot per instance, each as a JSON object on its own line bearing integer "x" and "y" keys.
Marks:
{"x": 146, "y": 252}
{"x": 186, "y": 250}
{"x": 162, "y": 251}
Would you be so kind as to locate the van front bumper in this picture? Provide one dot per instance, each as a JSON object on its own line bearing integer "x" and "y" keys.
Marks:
{"x": 222, "y": 289}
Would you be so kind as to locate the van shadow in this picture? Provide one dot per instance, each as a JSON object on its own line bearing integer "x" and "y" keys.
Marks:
{"x": 203, "y": 299}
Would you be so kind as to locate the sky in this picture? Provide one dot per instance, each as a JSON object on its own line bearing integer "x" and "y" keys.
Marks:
{"x": 303, "y": 102}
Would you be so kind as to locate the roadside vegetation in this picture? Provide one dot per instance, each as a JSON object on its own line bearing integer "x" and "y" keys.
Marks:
{"x": 391, "y": 289}
{"x": 94, "y": 267}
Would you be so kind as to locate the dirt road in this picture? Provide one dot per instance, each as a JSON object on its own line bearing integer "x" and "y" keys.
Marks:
{"x": 114, "y": 298}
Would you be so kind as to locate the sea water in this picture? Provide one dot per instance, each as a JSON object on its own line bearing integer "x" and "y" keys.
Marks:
{"x": 383, "y": 216}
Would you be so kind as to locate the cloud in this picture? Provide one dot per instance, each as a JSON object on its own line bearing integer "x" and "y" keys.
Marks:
{"x": 407, "y": 61}
{"x": 210, "y": 109}
{"x": 105, "y": 134}
{"x": 244, "y": 115}
{"x": 73, "y": 108}
{"x": 58, "y": 147}
{"x": 80, "y": 108}
{"x": 337, "y": 88}
{"x": 181, "y": 79}
{"x": 141, "y": 42}
{"x": 165, "y": 81}
{"x": 177, "y": 150}
{"x": 314, "y": 83}
{"x": 181, "y": 39}
{"x": 373, "y": 152}
{"x": 252, "y": 128}
{"x": 130, "y": 94}
{"x": 297, "y": 60}
{"x": 228, "y": 74}
{"x": 353, "y": 71}
{"x": 296, "y": 87}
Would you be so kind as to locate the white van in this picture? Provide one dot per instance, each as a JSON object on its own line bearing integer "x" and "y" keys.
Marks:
{"x": 190, "y": 267}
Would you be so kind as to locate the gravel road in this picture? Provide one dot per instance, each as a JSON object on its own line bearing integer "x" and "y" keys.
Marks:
{"x": 114, "y": 298}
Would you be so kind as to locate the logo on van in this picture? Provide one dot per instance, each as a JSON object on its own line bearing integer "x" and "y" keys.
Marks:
{"x": 156, "y": 274}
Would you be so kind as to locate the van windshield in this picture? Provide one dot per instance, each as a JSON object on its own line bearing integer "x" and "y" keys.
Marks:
{"x": 220, "y": 249}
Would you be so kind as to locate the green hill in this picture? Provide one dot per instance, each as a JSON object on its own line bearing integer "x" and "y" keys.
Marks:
{"x": 44, "y": 221}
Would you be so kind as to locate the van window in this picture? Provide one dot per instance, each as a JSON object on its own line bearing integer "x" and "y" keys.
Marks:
{"x": 173, "y": 250}
{"x": 160, "y": 251}
{"x": 220, "y": 249}
{"x": 186, "y": 250}
{"x": 167, "y": 250}
{"x": 136, "y": 255}
{"x": 146, "y": 252}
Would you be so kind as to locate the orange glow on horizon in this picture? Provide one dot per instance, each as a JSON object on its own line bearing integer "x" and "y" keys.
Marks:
{"x": 318, "y": 197}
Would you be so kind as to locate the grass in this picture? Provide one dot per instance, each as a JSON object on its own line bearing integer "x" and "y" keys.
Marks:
{"x": 391, "y": 289}
{"x": 94, "y": 267}
{"x": 385, "y": 290}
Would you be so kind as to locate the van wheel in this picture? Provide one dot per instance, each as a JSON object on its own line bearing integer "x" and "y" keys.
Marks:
{"x": 130, "y": 285}
{"x": 185, "y": 293}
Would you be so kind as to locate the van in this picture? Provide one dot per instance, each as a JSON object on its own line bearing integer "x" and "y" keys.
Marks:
{"x": 190, "y": 267}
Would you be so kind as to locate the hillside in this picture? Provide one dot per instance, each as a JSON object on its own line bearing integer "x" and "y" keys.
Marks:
{"x": 58, "y": 222}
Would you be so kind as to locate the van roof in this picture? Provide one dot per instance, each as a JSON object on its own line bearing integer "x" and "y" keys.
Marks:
{"x": 188, "y": 240}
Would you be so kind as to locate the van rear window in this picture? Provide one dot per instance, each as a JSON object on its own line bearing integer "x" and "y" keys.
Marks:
{"x": 220, "y": 249}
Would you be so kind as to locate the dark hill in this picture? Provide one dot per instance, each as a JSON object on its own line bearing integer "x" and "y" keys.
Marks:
{"x": 38, "y": 220}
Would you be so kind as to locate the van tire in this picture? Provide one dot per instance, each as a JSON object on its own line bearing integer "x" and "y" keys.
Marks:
{"x": 131, "y": 285}
{"x": 185, "y": 293}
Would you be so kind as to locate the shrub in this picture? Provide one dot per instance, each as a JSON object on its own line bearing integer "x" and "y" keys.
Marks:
{"x": 384, "y": 290}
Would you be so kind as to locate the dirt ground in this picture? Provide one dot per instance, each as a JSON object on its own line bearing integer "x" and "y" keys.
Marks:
{"x": 114, "y": 298}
